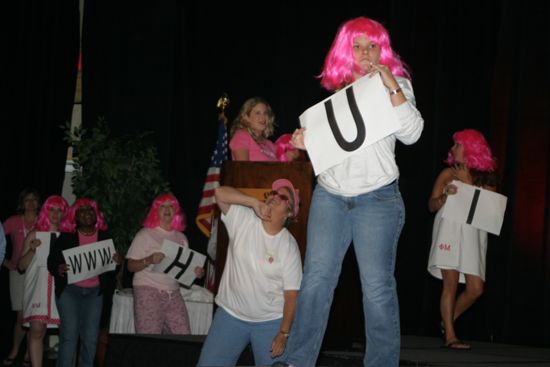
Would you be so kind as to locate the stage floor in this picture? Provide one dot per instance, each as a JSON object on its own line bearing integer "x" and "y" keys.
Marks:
{"x": 425, "y": 351}
{"x": 415, "y": 351}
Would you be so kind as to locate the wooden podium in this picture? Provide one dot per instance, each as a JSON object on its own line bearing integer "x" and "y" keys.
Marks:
{"x": 260, "y": 175}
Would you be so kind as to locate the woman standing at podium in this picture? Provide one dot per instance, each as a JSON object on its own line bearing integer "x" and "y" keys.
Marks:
{"x": 251, "y": 131}
{"x": 357, "y": 200}
{"x": 158, "y": 304}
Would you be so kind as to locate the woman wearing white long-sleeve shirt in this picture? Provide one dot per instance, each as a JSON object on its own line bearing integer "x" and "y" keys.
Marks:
{"x": 357, "y": 201}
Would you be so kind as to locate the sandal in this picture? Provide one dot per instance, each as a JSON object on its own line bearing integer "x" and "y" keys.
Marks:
{"x": 8, "y": 361}
{"x": 456, "y": 344}
{"x": 26, "y": 363}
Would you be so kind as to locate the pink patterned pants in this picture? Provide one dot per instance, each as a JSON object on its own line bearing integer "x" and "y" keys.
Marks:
{"x": 160, "y": 312}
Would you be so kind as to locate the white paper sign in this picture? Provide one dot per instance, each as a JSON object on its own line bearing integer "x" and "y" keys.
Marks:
{"x": 349, "y": 120}
{"x": 90, "y": 260}
{"x": 480, "y": 208}
{"x": 179, "y": 262}
{"x": 42, "y": 251}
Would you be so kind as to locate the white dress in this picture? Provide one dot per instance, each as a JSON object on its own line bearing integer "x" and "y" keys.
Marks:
{"x": 457, "y": 246}
{"x": 39, "y": 297}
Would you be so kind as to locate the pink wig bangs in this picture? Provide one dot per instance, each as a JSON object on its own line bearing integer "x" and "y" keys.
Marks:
{"x": 69, "y": 223}
{"x": 54, "y": 201}
{"x": 152, "y": 220}
{"x": 340, "y": 64}
{"x": 477, "y": 153}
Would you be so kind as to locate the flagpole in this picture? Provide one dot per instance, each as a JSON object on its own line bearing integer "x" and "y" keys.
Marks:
{"x": 206, "y": 219}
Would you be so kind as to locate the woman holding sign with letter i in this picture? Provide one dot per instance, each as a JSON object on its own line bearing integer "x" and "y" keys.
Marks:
{"x": 458, "y": 250}
{"x": 39, "y": 308}
{"x": 80, "y": 304}
{"x": 357, "y": 199}
{"x": 158, "y": 305}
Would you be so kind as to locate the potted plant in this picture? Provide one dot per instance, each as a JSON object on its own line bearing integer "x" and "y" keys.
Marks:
{"x": 122, "y": 173}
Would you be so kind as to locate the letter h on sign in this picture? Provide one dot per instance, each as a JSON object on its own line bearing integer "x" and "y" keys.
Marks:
{"x": 178, "y": 264}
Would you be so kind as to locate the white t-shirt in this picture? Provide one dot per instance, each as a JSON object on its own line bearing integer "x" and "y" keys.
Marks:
{"x": 146, "y": 242}
{"x": 259, "y": 267}
{"x": 374, "y": 166}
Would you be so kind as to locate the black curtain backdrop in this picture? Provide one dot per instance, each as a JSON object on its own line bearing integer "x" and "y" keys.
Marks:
{"x": 162, "y": 67}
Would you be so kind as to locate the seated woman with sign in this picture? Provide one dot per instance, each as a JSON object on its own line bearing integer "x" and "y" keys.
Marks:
{"x": 80, "y": 304}
{"x": 39, "y": 313}
{"x": 158, "y": 305}
{"x": 470, "y": 161}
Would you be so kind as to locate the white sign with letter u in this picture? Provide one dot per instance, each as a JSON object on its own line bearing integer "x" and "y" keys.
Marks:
{"x": 349, "y": 120}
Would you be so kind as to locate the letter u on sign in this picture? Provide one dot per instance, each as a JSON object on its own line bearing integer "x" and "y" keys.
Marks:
{"x": 348, "y": 146}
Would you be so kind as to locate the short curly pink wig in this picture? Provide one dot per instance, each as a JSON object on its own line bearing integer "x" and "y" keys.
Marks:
{"x": 339, "y": 62}
{"x": 152, "y": 220}
{"x": 54, "y": 201}
{"x": 477, "y": 153}
{"x": 282, "y": 145}
{"x": 69, "y": 223}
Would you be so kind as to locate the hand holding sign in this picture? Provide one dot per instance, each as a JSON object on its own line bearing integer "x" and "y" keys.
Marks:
{"x": 349, "y": 120}
{"x": 480, "y": 208}
{"x": 84, "y": 262}
{"x": 297, "y": 140}
{"x": 180, "y": 262}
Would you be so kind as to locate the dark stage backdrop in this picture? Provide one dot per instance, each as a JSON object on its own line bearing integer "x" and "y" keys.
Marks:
{"x": 162, "y": 67}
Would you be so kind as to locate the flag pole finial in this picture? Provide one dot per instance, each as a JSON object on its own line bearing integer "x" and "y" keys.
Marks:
{"x": 222, "y": 104}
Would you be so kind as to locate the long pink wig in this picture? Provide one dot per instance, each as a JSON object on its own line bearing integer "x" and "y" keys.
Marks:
{"x": 152, "y": 220}
{"x": 340, "y": 64}
{"x": 477, "y": 153}
{"x": 69, "y": 223}
{"x": 54, "y": 201}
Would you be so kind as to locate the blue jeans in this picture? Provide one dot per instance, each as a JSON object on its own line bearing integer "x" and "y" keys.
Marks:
{"x": 80, "y": 315}
{"x": 229, "y": 336}
{"x": 373, "y": 221}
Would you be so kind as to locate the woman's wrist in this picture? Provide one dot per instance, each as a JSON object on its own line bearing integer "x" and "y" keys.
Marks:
{"x": 284, "y": 333}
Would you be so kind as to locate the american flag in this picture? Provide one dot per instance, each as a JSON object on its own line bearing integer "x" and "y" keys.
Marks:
{"x": 208, "y": 201}
{"x": 205, "y": 218}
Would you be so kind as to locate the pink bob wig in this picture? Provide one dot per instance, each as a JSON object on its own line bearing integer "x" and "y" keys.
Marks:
{"x": 152, "y": 220}
{"x": 69, "y": 223}
{"x": 339, "y": 62}
{"x": 477, "y": 153}
{"x": 282, "y": 145}
{"x": 54, "y": 201}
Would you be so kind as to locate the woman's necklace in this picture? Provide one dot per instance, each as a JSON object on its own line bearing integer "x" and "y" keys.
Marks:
{"x": 87, "y": 232}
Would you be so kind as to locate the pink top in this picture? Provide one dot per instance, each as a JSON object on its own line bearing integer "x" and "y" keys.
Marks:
{"x": 258, "y": 152}
{"x": 84, "y": 240}
{"x": 17, "y": 228}
{"x": 146, "y": 242}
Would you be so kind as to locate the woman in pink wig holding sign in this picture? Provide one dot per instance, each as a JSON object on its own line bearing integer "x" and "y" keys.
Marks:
{"x": 458, "y": 250}
{"x": 39, "y": 307}
{"x": 357, "y": 200}
{"x": 80, "y": 304}
{"x": 158, "y": 305}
